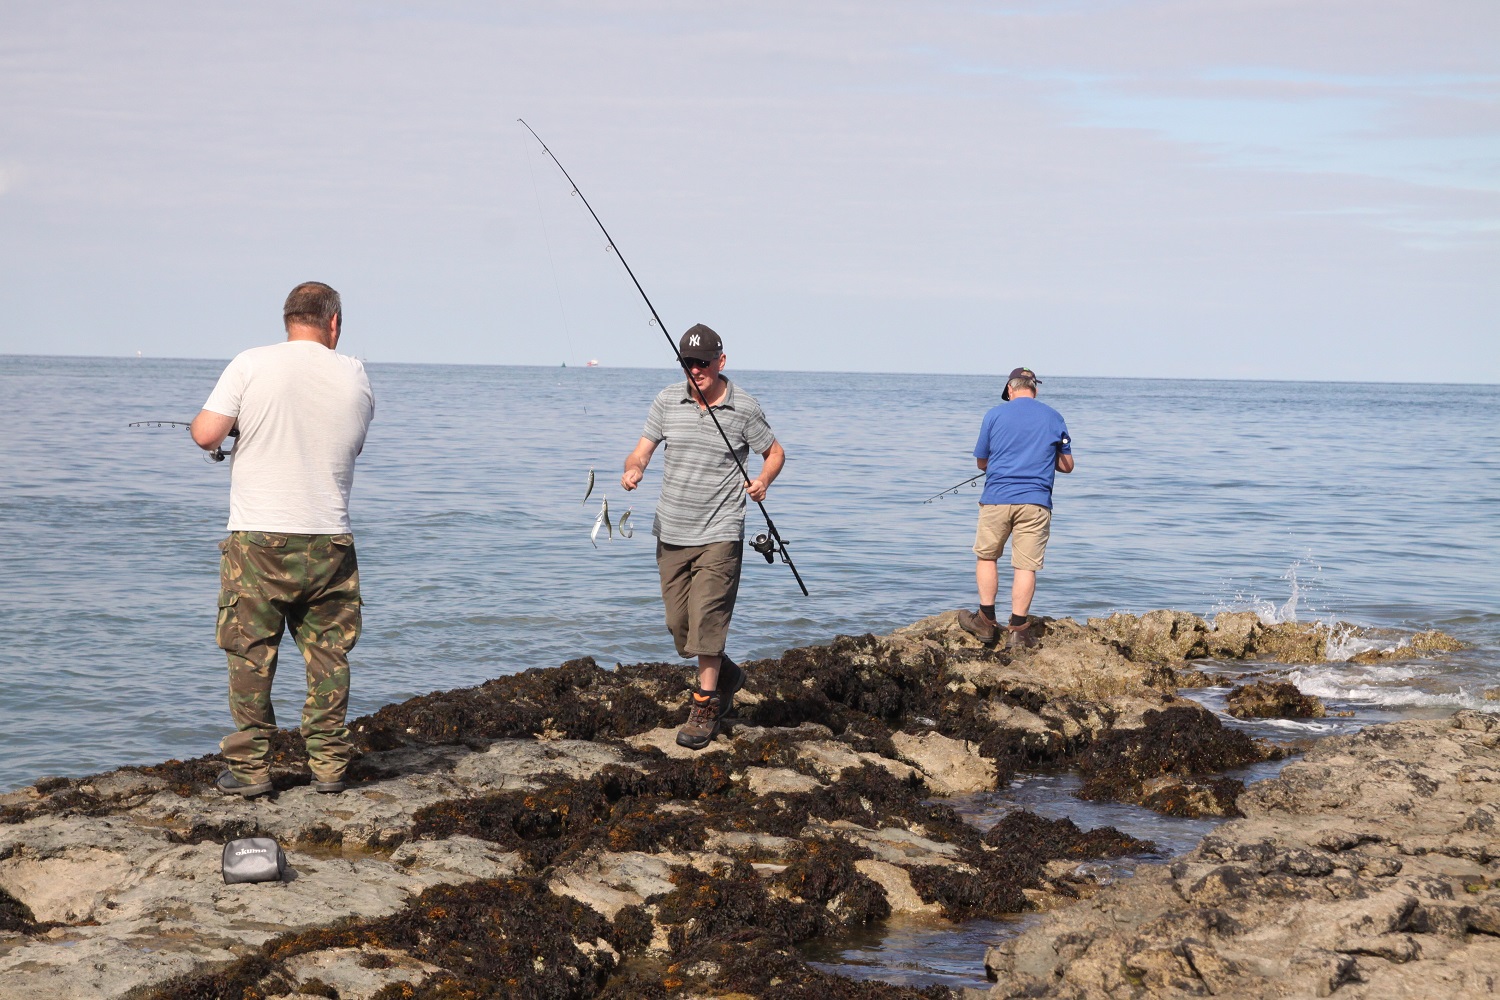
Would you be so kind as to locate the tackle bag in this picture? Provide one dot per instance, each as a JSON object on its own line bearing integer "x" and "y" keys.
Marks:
{"x": 253, "y": 859}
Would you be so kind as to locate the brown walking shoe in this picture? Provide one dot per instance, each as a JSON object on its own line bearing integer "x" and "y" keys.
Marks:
{"x": 704, "y": 717}
{"x": 1020, "y": 636}
{"x": 980, "y": 625}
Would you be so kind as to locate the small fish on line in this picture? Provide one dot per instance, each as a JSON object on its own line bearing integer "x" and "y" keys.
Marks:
{"x": 590, "y": 489}
{"x": 602, "y": 521}
{"x": 626, "y": 529}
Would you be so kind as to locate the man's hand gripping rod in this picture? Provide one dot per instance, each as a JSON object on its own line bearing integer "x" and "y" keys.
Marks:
{"x": 766, "y": 545}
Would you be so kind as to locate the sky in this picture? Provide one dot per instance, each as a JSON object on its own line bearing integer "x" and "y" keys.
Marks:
{"x": 1260, "y": 189}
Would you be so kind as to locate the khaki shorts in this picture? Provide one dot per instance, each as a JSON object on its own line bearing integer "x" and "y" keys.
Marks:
{"x": 1026, "y": 524}
{"x": 698, "y": 586}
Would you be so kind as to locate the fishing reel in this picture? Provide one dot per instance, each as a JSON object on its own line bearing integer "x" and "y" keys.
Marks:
{"x": 215, "y": 455}
{"x": 765, "y": 545}
{"x": 219, "y": 453}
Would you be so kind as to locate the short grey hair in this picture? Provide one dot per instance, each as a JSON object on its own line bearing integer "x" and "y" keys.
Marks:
{"x": 1021, "y": 383}
{"x": 312, "y": 303}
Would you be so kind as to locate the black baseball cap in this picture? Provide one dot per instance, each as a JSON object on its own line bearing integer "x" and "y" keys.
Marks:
{"x": 700, "y": 342}
{"x": 1018, "y": 373}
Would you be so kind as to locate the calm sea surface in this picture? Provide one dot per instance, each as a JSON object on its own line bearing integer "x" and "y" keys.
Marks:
{"x": 1375, "y": 504}
{"x": 1371, "y": 503}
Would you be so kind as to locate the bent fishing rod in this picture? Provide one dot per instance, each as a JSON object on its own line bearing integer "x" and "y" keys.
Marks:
{"x": 767, "y": 545}
{"x": 954, "y": 488}
{"x": 215, "y": 455}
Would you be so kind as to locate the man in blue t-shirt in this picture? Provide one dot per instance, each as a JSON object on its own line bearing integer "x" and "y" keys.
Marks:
{"x": 1022, "y": 444}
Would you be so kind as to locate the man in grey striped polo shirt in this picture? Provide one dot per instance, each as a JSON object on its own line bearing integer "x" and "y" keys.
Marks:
{"x": 700, "y": 518}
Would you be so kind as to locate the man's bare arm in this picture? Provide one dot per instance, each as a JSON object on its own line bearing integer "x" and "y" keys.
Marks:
{"x": 636, "y": 462}
{"x": 983, "y": 464}
{"x": 1064, "y": 463}
{"x": 773, "y": 458}
{"x": 209, "y": 429}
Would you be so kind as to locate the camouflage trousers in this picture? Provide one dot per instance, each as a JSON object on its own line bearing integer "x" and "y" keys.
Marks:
{"x": 270, "y": 581}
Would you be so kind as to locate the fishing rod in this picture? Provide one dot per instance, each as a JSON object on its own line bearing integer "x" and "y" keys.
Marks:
{"x": 1059, "y": 445}
{"x": 767, "y": 544}
{"x": 216, "y": 455}
{"x": 954, "y": 488}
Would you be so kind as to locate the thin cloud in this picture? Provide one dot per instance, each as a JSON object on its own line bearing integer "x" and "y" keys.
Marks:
{"x": 1121, "y": 183}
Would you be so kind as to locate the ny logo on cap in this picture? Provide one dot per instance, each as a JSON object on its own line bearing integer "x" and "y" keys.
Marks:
{"x": 693, "y": 341}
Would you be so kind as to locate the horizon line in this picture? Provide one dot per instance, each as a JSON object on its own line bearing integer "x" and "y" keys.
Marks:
{"x": 784, "y": 371}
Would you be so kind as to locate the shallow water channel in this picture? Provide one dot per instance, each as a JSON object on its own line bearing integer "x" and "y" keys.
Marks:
{"x": 925, "y": 952}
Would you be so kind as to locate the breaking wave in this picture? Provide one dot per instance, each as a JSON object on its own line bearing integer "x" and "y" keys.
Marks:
{"x": 1382, "y": 687}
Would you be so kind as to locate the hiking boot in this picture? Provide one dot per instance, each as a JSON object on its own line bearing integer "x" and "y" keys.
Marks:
{"x": 230, "y": 785}
{"x": 731, "y": 679}
{"x": 980, "y": 625}
{"x": 1019, "y": 636}
{"x": 329, "y": 787}
{"x": 703, "y": 721}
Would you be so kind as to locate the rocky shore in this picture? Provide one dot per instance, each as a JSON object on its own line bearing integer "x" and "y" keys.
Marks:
{"x": 1367, "y": 870}
{"x": 542, "y": 835}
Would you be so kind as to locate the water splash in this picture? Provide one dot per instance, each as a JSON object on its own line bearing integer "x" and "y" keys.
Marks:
{"x": 1346, "y": 641}
{"x": 1271, "y": 613}
{"x": 1289, "y": 609}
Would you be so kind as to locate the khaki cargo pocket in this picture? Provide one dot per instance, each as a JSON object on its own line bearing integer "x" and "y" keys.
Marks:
{"x": 225, "y": 632}
{"x": 266, "y": 539}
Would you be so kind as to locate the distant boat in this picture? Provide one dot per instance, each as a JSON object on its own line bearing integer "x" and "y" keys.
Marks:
{"x": 593, "y": 363}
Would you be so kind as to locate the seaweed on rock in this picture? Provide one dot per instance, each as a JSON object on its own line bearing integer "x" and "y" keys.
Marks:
{"x": 1057, "y": 839}
{"x": 1274, "y": 700}
{"x": 505, "y": 937}
{"x": 577, "y": 700}
{"x": 17, "y": 917}
{"x": 752, "y": 964}
{"x": 618, "y": 807}
{"x": 1177, "y": 743}
{"x": 625, "y": 809}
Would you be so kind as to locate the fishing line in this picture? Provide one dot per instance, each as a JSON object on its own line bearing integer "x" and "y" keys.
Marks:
{"x": 767, "y": 544}
{"x": 547, "y": 242}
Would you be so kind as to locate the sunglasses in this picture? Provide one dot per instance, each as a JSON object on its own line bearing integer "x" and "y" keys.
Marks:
{"x": 690, "y": 363}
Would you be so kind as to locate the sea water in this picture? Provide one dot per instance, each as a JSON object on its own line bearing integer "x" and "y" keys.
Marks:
{"x": 1372, "y": 504}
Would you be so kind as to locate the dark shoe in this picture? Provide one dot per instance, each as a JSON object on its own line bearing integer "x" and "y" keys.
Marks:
{"x": 980, "y": 625}
{"x": 230, "y": 785}
{"x": 731, "y": 679}
{"x": 703, "y": 721}
{"x": 328, "y": 787}
{"x": 1019, "y": 636}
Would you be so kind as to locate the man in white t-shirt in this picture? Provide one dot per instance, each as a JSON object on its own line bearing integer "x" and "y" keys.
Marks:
{"x": 300, "y": 412}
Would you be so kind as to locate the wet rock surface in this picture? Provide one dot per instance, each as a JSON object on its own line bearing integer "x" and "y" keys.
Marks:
{"x": 1367, "y": 870}
{"x": 1274, "y": 700}
{"x": 1168, "y": 763}
{"x": 543, "y": 835}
